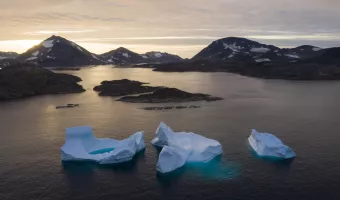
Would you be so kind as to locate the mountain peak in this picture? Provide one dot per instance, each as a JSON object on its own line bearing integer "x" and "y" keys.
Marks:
{"x": 58, "y": 51}
{"x": 122, "y": 49}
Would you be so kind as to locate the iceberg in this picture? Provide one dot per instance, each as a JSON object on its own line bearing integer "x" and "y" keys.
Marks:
{"x": 82, "y": 145}
{"x": 268, "y": 145}
{"x": 182, "y": 147}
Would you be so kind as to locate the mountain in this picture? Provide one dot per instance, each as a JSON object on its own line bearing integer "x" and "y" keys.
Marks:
{"x": 8, "y": 55}
{"x": 160, "y": 57}
{"x": 57, "y": 51}
{"x": 329, "y": 56}
{"x": 123, "y": 56}
{"x": 245, "y": 50}
{"x": 304, "y": 51}
{"x": 20, "y": 81}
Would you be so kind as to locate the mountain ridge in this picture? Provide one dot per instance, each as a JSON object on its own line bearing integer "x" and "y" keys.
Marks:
{"x": 237, "y": 49}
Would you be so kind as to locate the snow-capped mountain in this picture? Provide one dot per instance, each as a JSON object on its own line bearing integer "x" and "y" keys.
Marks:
{"x": 8, "y": 55}
{"x": 242, "y": 49}
{"x": 160, "y": 57}
{"x": 123, "y": 56}
{"x": 57, "y": 51}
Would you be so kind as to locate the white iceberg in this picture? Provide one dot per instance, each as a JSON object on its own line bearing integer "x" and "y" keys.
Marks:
{"x": 182, "y": 147}
{"x": 82, "y": 145}
{"x": 268, "y": 145}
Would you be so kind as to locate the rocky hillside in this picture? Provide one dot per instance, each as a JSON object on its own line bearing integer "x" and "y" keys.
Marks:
{"x": 329, "y": 56}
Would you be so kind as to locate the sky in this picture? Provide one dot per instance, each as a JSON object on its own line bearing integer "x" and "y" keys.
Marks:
{"x": 182, "y": 27}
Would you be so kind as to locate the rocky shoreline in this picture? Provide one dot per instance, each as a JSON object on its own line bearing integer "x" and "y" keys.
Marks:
{"x": 166, "y": 95}
{"x": 285, "y": 71}
{"x": 163, "y": 108}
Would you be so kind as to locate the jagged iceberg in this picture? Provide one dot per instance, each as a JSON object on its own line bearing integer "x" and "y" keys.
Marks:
{"x": 268, "y": 145}
{"x": 82, "y": 145}
{"x": 182, "y": 147}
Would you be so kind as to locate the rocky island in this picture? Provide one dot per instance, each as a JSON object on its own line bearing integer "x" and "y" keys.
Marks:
{"x": 123, "y": 87}
{"x": 147, "y": 94}
{"x": 23, "y": 81}
{"x": 165, "y": 95}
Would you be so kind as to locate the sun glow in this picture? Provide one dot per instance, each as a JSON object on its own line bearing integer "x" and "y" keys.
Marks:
{"x": 18, "y": 45}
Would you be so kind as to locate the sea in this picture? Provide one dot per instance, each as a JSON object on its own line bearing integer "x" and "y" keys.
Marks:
{"x": 305, "y": 115}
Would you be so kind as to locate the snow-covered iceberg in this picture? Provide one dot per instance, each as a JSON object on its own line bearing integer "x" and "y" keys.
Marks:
{"x": 182, "y": 147}
{"x": 82, "y": 145}
{"x": 268, "y": 145}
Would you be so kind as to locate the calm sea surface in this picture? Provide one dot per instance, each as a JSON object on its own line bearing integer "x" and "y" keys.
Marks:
{"x": 305, "y": 115}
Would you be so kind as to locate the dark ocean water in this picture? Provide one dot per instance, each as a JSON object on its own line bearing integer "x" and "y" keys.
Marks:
{"x": 305, "y": 115}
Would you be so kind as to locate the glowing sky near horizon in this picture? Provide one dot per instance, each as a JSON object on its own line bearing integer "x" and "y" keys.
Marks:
{"x": 176, "y": 26}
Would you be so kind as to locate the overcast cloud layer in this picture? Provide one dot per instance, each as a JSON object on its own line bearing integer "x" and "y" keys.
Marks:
{"x": 176, "y": 26}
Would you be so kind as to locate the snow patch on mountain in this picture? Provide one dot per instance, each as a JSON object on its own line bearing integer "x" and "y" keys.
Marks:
{"x": 292, "y": 56}
{"x": 48, "y": 43}
{"x": 316, "y": 49}
{"x": 262, "y": 60}
{"x": 231, "y": 55}
{"x": 158, "y": 55}
{"x": 126, "y": 55}
{"x": 232, "y": 47}
{"x": 31, "y": 58}
{"x": 50, "y": 57}
{"x": 35, "y": 54}
{"x": 260, "y": 50}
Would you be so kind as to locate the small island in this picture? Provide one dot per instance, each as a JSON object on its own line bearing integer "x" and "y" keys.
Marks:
{"x": 123, "y": 87}
{"x": 24, "y": 81}
{"x": 165, "y": 95}
{"x": 148, "y": 94}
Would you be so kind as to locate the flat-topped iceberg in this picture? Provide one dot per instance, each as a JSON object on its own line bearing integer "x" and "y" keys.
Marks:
{"x": 82, "y": 145}
{"x": 268, "y": 145}
{"x": 182, "y": 147}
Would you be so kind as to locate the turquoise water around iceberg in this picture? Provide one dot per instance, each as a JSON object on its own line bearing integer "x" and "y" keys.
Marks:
{"x": 100, "y": 151}
{"x": 216, "y": 169}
